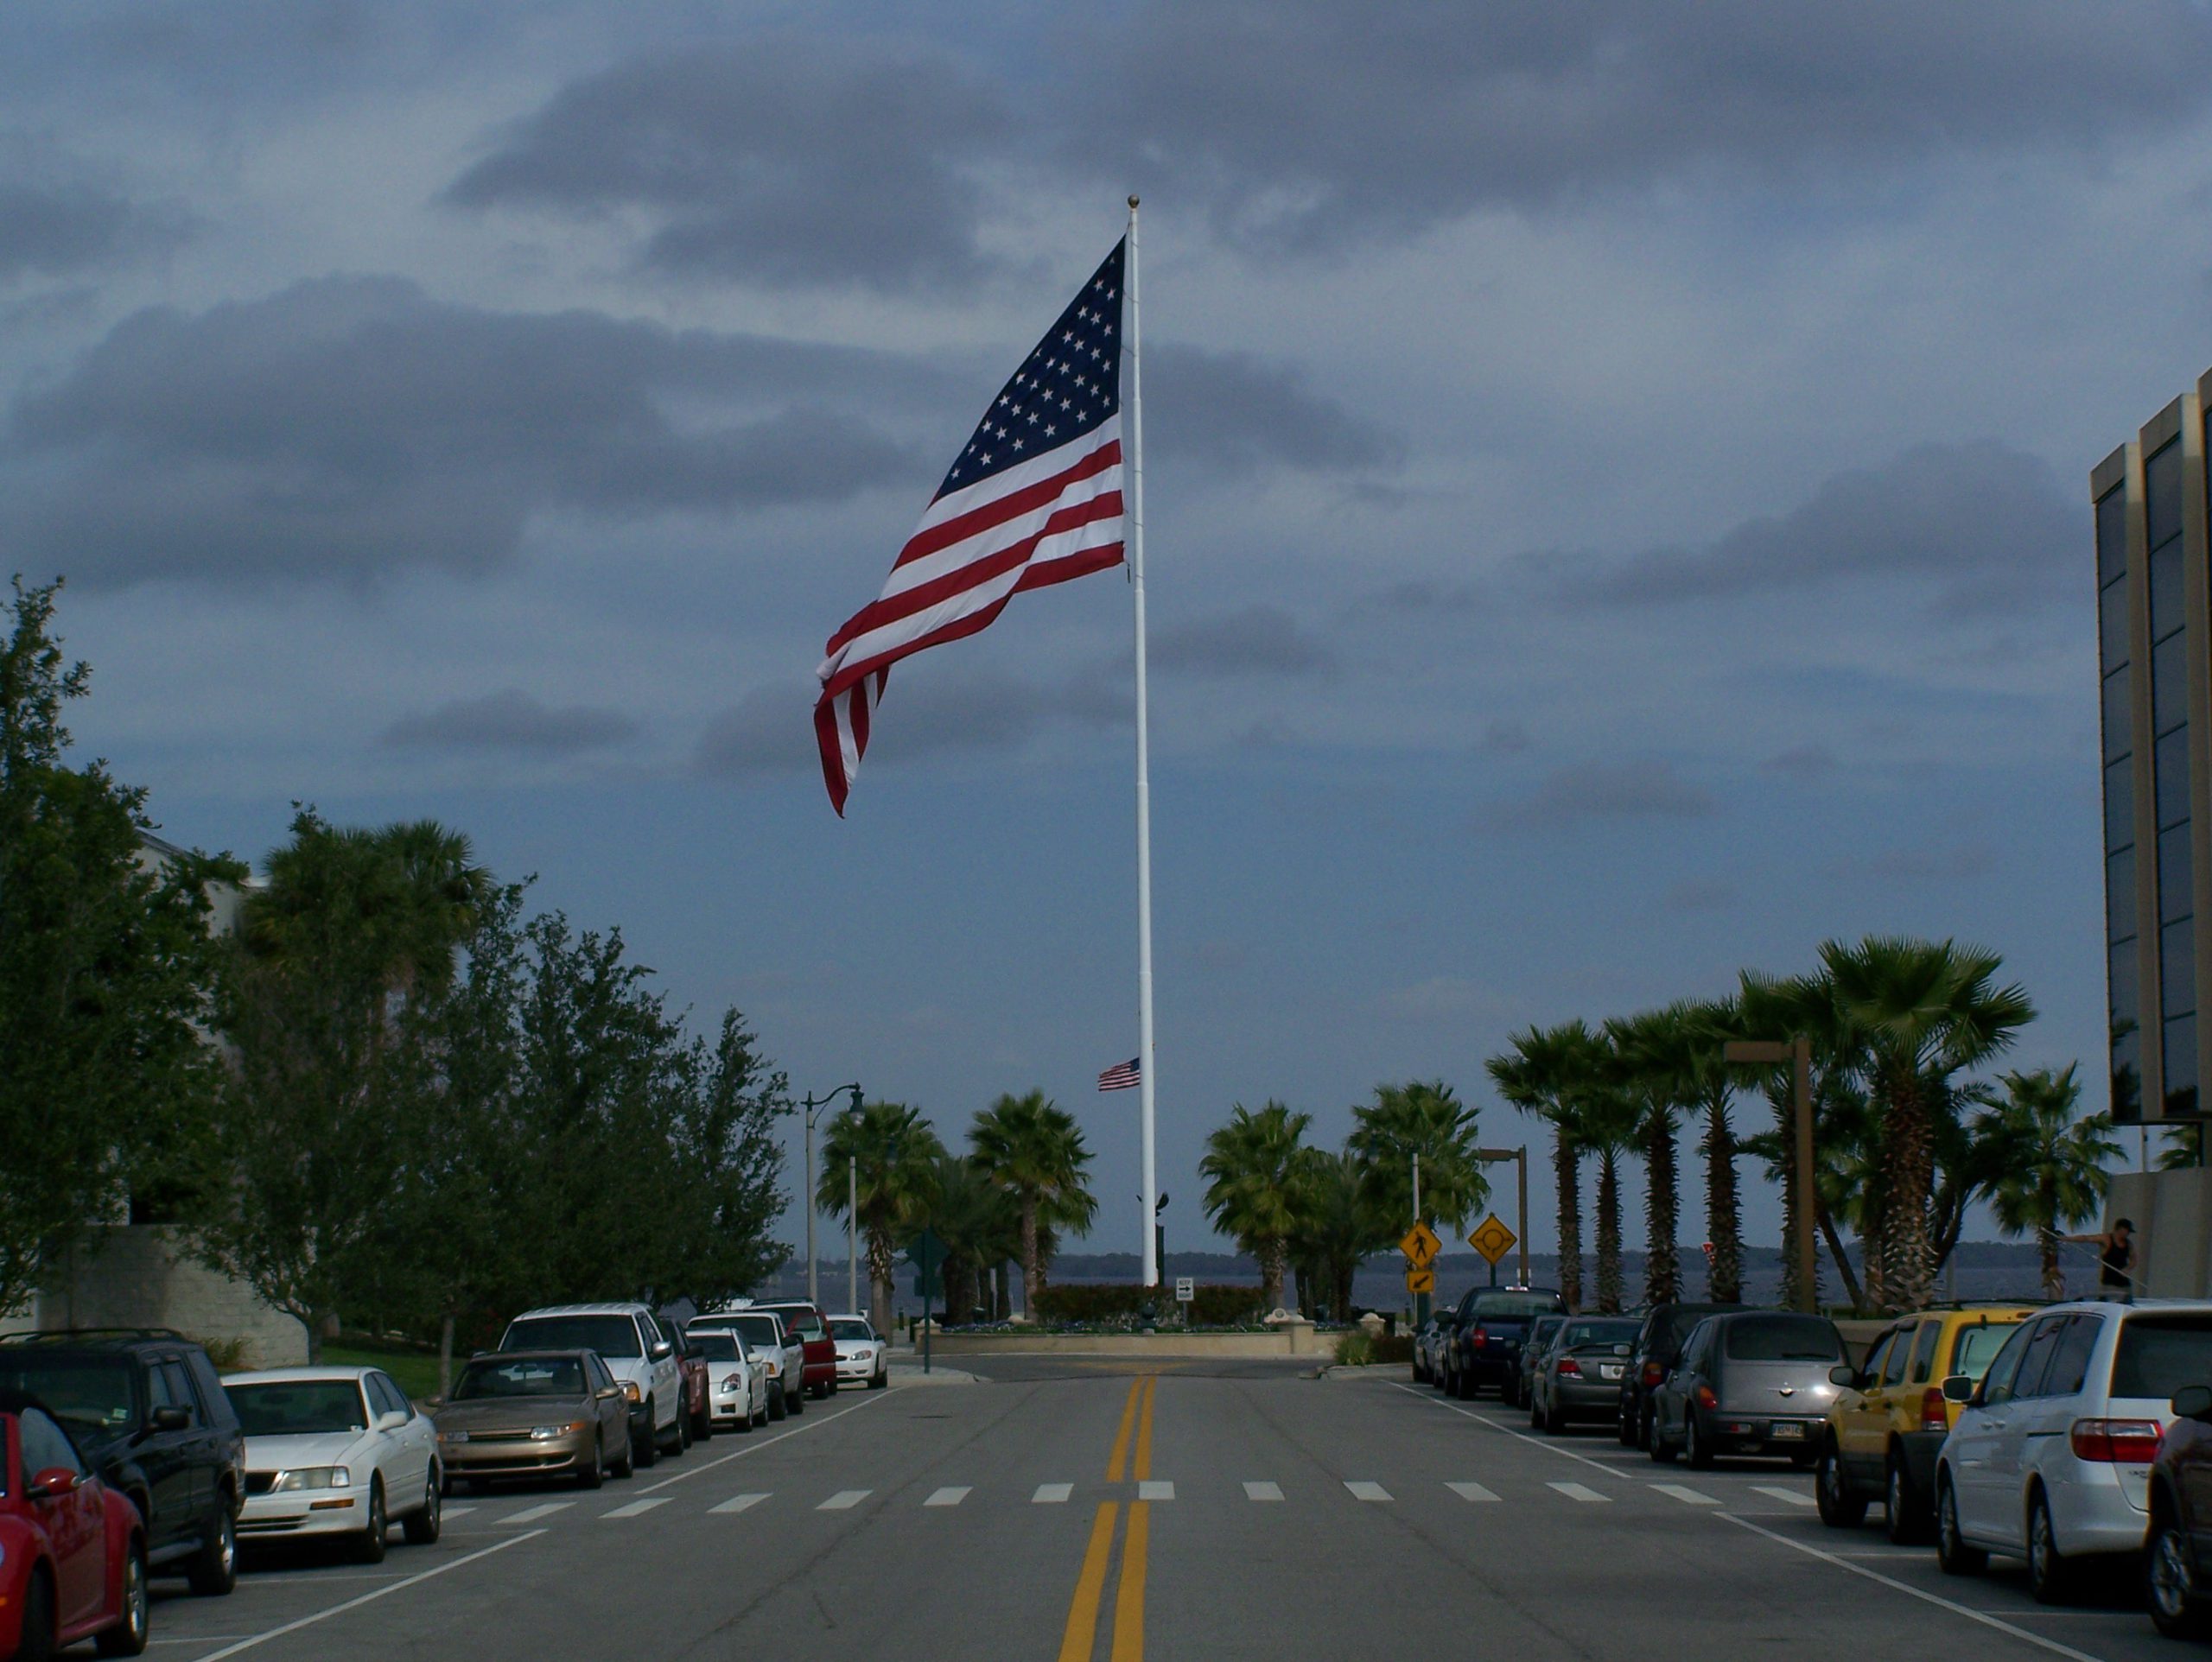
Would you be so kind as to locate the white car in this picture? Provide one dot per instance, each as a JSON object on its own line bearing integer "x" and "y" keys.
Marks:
{"x": 863, "y": 1357}
{"x": 779, "y": 1353}
{"x": 737, "y": 1379}
{"x": 643, "y": 1362}
{"x": 334, "y": 1451}
{"x": 2050, "y": 1458}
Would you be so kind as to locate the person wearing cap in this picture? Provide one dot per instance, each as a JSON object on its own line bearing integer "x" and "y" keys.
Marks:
{"x": 2116, "y": 1254}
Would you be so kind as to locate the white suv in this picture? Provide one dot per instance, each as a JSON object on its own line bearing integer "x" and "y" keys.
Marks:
{"x": 2050, "y": 1458}
{"x": 776, "y": 1349}
{"x": 862, "y": 1356}
{"x": 643, "y": 1362}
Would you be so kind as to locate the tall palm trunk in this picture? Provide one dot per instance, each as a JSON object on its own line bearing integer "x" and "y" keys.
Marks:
{"x": 1002, "y": 1294}
{"x": 1033, "y": 1264}
{"x": 1271, "y": 1257}
{"x": 1609, "y": 1233}
{"x": 882, "y": 1263}
{"x": 1662, "y": 1269}
{"x": 1724, "y": 1216}
{"x": 2054, "y": 1278}
{"x": 1908, "y": 1158}
{"x": 1344, "y": 1289}
{"x": 1851, "y": 1287}
{"x": 1566, "y": 1167}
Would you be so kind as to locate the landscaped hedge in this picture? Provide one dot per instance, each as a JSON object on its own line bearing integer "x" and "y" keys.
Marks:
{"x": 1112, "y": 1301}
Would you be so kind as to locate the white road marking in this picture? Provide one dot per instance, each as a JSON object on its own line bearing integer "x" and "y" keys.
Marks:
{"x": 1470, "y": 1492}
{"x": 951, "y": 1497}
{"x": 1791, "y": 1495}
{"x": 739, "y": 1503}
{"x": 1155, "y": 1490}
{"x": 844, "y": 1500}
{"x": 635, "y": 1508}
{"x": 1579, "y": 1492}
{"x": 1689, "y": 1497}
{"x": 367, "y": 1598}
{"x": 830, "y": 1417}
{"x": 1368, "y": 1491}
{"x": 1052, "y": 1494}
{"x": 1890, "y": 1582}
{"x": 1484, "y": 1419}
{"x": 531, "y": 1514}
{"x": 457, "y": 1512}
{"x": 1263, "y": 1492}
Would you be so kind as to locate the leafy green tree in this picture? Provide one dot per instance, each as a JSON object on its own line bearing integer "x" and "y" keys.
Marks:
{"x": 1550, "y": 1072}
{"x": 1254, "y": 1193}
{"x": 1338, "y": 1228}
{"x": 893, "y": 1153}
{"x": 1425, "y": 1117}
{"x": 107, "y": 977}
{"x": 1035, "y": 1151}
{"x": 2048, "y": 1169}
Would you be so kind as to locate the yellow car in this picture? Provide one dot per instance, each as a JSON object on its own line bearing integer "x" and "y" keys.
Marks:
{"x": 1885, "y": 1426}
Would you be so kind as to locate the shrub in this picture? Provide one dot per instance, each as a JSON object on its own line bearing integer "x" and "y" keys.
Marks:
{"x": 1355, "y": 1349}
{"x": 1110, "y": 1302}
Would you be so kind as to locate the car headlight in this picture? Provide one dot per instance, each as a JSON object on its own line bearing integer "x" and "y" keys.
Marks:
{"x": 775, "y": 1370}
{"x": 314, "y": 1477}
{"x": 547, "y": 1433}
{"x": 730, "y": 1385}
{"x": 453, "y": 1436}
{"x": 629, "y": 1390}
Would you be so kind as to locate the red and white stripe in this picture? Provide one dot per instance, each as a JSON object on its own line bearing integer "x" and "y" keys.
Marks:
{"x": 1053, "y": 517}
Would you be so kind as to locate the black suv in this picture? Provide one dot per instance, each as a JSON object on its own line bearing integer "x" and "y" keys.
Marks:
{"x": 146, "y": 1409}
{"x": 1485, "y": 1348}
{"x": 1658, "y": 1347}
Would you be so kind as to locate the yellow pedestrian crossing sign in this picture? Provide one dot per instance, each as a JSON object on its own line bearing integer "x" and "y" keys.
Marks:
{"x": 1492, "y": 1239}
{"x": 1420, "y": 1247}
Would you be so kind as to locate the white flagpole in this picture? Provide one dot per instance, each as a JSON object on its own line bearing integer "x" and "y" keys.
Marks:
{"x": 1146, "y": 1073}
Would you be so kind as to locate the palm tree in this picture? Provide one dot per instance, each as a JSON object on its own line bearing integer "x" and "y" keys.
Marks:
{"x": 1546, "y": 1071}
{"x": 1428, "y": 1120}
{"x": 980, "y": 1226}
{"x": 1035, "y": 1151}
{"x": 1608, "y": 1126}
{"x": 1922, "y": 1011}
{"x": 2049, "y": 1167}
{"x": 892, "y": 1152}
{"x": 1255, "y": 1188}
{"x": 1338, "y": 1228}
{"x": 1654, "y": 1073}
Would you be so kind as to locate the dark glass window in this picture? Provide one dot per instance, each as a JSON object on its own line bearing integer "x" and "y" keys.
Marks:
{"x": 2170, "y": 761}
{"x": 2113, "y": 625}
{"x": 2043, "y": 1344}
{"x": 2178, "y": 969}
{"x": 2070, "y": 1365}
{"x": 2166, "y": 614}
{"x": 2173, "y": 873}
{"x": 2169, "y": 684}
{"x": 2119, "y": 894}
{"x": 2112, "y": 537}
{"x": 2181, "y": 1065}
{"x": 2120, "y": 804}
{"x": 2162, "y": 493}
{"x": 2119, "y": 718}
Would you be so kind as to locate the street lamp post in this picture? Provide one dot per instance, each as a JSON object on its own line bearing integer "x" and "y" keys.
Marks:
{"x": 1520, "y": 1158}
{"x": 853, "y": 1235}
{"x": 1798, "y": 1053}
{"x": 814, "y": 1104}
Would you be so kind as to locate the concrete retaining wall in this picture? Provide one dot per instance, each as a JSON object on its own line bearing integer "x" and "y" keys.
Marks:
{"x": 135, "y": 1275}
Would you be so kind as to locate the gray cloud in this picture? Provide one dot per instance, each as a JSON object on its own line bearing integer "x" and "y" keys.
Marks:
{"x": 1988, "y": 526}
{"x": 51, "y": 230}
{"x": 1607, "y": 790}
{"x": 1259, "y": 640}
{"x": 510, "y": 721}
{"x": 1235, "y": 413}
{"x": 349, "y": 426}
{"x": 785, "y": 161}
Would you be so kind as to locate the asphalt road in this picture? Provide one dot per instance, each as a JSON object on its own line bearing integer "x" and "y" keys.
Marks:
{"x": 1109, "y": 1511}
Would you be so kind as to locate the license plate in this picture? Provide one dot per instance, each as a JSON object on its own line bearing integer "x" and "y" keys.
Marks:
{"x": 1610, "y": 1371}
{"x": 1787, "y": 1431}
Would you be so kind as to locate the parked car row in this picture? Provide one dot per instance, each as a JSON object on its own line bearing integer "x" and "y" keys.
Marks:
{"x": 124, "y": 1454}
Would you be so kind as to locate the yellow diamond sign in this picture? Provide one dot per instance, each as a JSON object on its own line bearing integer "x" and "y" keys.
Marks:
{"x": 1420, "y": 1281}
{"x": 1492, "y": 1239}
{"x": 1421, "y": 1246}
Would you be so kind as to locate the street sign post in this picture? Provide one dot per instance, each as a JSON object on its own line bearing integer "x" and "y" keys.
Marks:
{"x": 925, "y": 1252}
{"x": 1185, "y": 1290}
{"x": 1493, "y": 1241}
{"x": 1420, "y": 1281}
{"x": 1421, "y": 1246}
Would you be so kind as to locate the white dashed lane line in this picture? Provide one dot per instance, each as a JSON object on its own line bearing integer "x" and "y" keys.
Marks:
{"x": 1155, "y": 1490}
{"x": 948, "y": 1497}
{"x": 1263, "y": 1492}
{"x": 739, "y": 1503}
{"x": 531, "y": 1514}
{"x": 1367, "y": 1491}
{"x": 1472, "y": 1491}
{"x": 1795, "y": 1497}
{"x": 844, "y": 1500}
{"x": 636, "y": 1508}
{"x": 1052, "y": 1494}
{"x": 1580, "y": 1492}
{"x": 1689, "y": 1497}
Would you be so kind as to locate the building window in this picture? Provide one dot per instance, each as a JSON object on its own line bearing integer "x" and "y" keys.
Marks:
{"x": 2114, "y": 636}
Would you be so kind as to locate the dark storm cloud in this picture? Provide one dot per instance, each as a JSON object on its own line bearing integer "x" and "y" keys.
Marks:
{"x": 510, "y": 721}
{"x": 785, "y": 161}
{"x": 1306, "y": 123}
{"x": 1607, "y": 790}
{"x": 50, "y": 230}
{"x": 1234, "y": 413}
{"x": 1988, "y": 526}
{"x": 350, "y": 426}
{"x": 1259, "y": 640}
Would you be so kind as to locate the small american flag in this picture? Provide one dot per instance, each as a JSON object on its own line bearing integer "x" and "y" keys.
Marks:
{"x": 1121, "y": 1076}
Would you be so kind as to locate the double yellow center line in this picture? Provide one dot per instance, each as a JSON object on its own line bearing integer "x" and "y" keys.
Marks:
{"x": 1081, "y": 1637}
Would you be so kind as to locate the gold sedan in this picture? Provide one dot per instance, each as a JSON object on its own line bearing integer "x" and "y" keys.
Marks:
{"x": 534, "y": 1413}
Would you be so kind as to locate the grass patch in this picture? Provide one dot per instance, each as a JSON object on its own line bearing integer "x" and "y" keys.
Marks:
{"x": 415, "y": 1371}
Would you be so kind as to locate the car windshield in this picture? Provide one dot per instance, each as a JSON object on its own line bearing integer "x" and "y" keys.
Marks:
{"x": 1978, "y": 1347}
{"x": 757, "y": 1329}
{"x": 529, "y": 1376}
{"x": 803, "y": 1321}
{"x": 1784, "y": 1339}
{"x": 853, "y": 1328}
{"x": 1582, "y": 1336}
{"x": 92, "y": 1393}
{"x": 613, "y": 1336}
{"x": 299, "y": 1407}
{"x": 1515, "y": 1306}
{"x": 716, "y": 1346}
{"x": 2159, "y": 1354}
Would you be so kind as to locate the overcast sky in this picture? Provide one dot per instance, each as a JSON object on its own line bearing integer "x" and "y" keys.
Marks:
{"x": 1616, "y": 492}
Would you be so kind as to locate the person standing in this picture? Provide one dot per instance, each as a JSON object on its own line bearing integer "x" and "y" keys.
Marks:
{"x": 2115, "y": 1256}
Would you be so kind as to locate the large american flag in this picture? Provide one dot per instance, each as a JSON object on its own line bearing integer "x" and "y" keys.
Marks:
{"x": 1035, "y": 499}
{"x": 1122, "y": 1076}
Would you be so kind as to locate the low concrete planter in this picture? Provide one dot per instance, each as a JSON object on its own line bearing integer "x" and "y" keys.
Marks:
{"x": 1292, "y": 1339}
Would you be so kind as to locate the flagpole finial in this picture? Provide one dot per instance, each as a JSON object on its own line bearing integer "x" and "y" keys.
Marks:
{"x": 1133, "y": 201}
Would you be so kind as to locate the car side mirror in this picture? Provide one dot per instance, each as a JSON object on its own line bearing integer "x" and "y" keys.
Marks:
{"x": 392, "y": 1418}
{"x": 55, "y": 1482}
{"x": 1959, "y": 1388}
{"x": 2193, "y": 1402}
{"x": 434, "y": 1402}
{"x": 611, "y": 1391}
{"x": 1845, "y": 1374}
{"x": 661, "y": 1351}
{"x": 169, "y": 1418}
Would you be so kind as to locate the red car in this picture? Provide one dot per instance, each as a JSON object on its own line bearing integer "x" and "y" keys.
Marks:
{"x": 691, "y": 1365}
{"x": 72, "y": 1551}
{"x": 820, "y": 1350}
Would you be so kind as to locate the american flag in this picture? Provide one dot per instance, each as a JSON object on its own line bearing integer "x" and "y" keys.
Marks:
{"x": 1121, "y": 1076}
{"x": 1035, "y": 499}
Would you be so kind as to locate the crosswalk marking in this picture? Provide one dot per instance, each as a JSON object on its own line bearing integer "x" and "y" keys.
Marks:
{"x": 457, "y": 1512}
{"x": 950, "y": 1497}
{"x": 1688, "y": 1496}
{"x": 1367, "y": 1491}
{"x": 531, "y": 1514}
{"x": 1579, "y": 1492}
{"x": 1263, "y": 1492}
{"x": 1791, "y": 1495}
{"x": 1052, "y": 1494}
{"x": 844, "y": 1500}
{"x": 739, "y": 1503}
{"x": 1470, "y": 1492}
{"x": 638, "y": 1508}
{"x": 1155, "y": 1490}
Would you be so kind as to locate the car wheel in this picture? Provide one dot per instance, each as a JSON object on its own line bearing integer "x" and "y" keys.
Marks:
{"x": 214, "y": 1570}
{"x": 1626, "y": 1431}
{"x": 628, "y": 1462}
{"x": 422, "y": 1526}
{"x": 1656, "y": 1444}
{"x": 2051, "y": 1577}
{"x": 1555, "y": 1422}
{"x": 1839, "y": 1507}
{"x": 370, "y": 1548}
{"x": 702, "y": 1426}
{"x": 777, "y": 1408}
{"x": 1650, "y": 1427}
{"x": 795, "y": 1401}
{"x": 128, "y": 1636}
{"x": 1954, "y": 1554}
{"x": 1535, "y": 1414}
{"x": 1697, "y": 1453}
{"x": 37, "y": 1642}
{"x": 593, "y": 1472}
{"x": 647, "y": 1447}
{"x": 2166, "y": 1583}
{"x": 682, "y": 1430}
{"x": 881, "y": 1378}
{"x": 1907, "y": 1512}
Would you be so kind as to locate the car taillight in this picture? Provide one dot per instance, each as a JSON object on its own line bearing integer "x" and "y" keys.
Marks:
{"x": 1480, "y": 1340}
{"x": 1652, "y": 1373}
{"x": 2116, "y": 1441}
{"x": 1705, "y": 1396}
{"x": 1569, "y": 1368}
{"x": 1935, "y": 1411}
